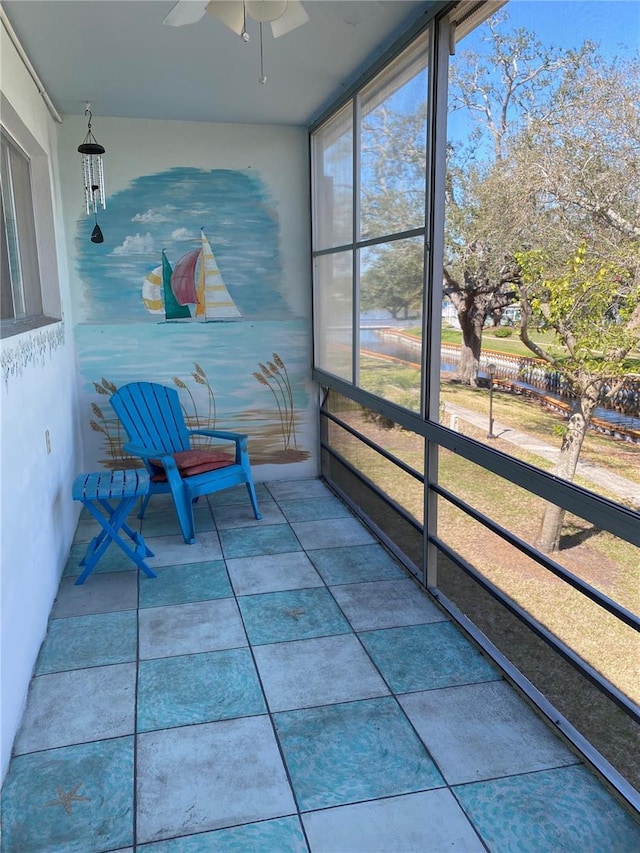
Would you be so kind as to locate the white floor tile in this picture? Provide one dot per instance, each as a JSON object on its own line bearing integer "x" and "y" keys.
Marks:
{"x": 321, "y": 671}
{"x": 183, "y": 629}
{"x": 77, "y": 706}
{"x": 481, "y": 731}
{"x": 429, "y": 822}
{"x": 272, "y": 573}
{"x": 209, "y": 776}
{"x": 385, "y": 604}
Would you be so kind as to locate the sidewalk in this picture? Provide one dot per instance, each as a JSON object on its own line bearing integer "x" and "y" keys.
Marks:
{"x": 623, "y": 488}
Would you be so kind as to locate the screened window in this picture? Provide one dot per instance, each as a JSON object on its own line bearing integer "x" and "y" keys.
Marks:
{"x": 369, "y": 167}
{"x": 21, "y": 300}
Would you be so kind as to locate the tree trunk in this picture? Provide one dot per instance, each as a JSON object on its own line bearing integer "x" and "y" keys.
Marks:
{"x": 551, "y": 528}
{"x": 470, "y": 349}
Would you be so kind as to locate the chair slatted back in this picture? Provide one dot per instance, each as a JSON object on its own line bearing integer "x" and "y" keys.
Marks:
{"x": 152, "y": 416}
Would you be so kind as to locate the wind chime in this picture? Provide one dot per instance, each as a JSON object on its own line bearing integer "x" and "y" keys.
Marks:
{"x": 93, "y": 177}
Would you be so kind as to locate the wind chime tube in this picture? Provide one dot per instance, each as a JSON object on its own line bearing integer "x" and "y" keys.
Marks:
{"x": 103, "y": 201}
{"x": 86, "y": 179}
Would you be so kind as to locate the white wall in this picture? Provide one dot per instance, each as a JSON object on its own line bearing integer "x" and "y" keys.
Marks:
{"x": 37, "y": 393}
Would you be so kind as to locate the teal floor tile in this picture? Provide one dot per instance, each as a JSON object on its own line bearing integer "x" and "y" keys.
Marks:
{"x": 563, "y": 809}
{"x": 184, "y": 583}
{"x": 249, "y": 542}
{"x": 339, "y": 754}
{"x": 422, "y": 657}
{"x": 299, "y": 614}
{"x": 355, "y": 564}
{"x": 82, "y": 641}
{"x": 113, "y": 560}
{"x": 313, "y": 509}
{"x": 283, "y": 835}
{"x": 199, "y": 688}
{"x": 70, "y": 800}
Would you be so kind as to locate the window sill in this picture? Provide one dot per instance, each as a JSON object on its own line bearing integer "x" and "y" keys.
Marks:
{"x": 9, "y": 328}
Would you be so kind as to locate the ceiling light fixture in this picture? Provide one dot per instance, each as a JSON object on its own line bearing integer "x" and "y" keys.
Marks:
{"x": 283, "y": 15}
{"x": 92, "y": 176}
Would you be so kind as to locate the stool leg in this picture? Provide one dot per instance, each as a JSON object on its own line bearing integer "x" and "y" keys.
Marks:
{"x": 112, "y": 523}
{"x": 144, "y": 503}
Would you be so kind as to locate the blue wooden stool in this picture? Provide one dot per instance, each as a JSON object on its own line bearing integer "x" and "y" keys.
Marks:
{"x": 116, "y": 492}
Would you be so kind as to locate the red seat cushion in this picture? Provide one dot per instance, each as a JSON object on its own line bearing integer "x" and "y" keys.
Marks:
{"x": 191, "y": 462}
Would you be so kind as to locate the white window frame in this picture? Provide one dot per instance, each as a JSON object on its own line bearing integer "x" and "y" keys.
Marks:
{"x": 35, "y": 291}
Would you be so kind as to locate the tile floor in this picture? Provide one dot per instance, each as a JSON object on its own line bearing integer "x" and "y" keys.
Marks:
{"x": 283, "y": 686}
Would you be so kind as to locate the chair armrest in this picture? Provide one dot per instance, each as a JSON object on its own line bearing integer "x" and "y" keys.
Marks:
{"x": 164, "y": 457}
{"x": 241, "y": 442}
{"x": 145, "y": 453}
{"x": 218, "y": 433}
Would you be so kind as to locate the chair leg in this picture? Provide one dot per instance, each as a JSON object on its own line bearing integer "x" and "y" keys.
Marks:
{"x": 254, "y": 498}
{"x": 184, "y": 509}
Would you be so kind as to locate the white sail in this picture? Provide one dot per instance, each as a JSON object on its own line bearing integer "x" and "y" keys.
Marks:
{"x": 218, "y": 304}
{"x": 152, "y": 295}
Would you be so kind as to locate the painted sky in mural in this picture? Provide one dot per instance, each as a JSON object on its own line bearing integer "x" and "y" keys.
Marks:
{"x": 167, "y": 211}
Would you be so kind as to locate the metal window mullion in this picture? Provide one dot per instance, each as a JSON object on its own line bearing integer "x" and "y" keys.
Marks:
{"x": 434, "y": 254}
{"x": 313, "y": 202}
{"x": 372, "y": 241}
{"x": 355, "y": 235}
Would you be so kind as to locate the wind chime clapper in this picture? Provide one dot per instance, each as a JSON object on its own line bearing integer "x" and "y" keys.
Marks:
{"x": 93, "y": 176}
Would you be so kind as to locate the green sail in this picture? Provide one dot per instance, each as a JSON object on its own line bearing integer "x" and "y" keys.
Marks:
{"x": 172, "y": 310}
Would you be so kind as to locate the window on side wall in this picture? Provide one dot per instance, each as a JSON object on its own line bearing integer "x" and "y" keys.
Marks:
{"x": 21, "y": 304}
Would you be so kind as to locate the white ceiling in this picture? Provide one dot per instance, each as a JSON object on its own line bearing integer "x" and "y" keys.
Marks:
{"x": 118, "y": 55}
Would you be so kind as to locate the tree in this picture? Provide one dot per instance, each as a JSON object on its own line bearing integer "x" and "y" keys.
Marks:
{"x": 394, "y": 278}
{"x": 593, "y": 306}
{"x": 579, "y": 180}
{"x": 501, "y": 92}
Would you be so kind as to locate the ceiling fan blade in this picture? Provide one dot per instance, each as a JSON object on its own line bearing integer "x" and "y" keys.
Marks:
{"x": 293, "y": 16}
{"x": 185, "y": 12}
{"x": 230, "y": 12}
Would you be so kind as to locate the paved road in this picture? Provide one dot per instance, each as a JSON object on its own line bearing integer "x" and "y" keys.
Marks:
{"x": 625, "y": 489}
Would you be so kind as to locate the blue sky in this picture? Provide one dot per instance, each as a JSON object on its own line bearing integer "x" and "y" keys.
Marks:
{"x": 613, "y": 24}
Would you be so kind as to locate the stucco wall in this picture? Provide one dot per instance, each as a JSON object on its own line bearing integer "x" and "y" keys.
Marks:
{"x": 37, "y": 394}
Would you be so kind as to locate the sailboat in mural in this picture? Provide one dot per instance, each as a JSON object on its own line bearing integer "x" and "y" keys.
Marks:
{"x": 193, "y": 290}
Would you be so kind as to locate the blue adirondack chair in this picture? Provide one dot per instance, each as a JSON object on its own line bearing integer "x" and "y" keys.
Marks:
{"x": 153, "y": 419}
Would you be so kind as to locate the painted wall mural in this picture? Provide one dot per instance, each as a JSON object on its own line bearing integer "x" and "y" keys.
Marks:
{"x": 187, "y": 289}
